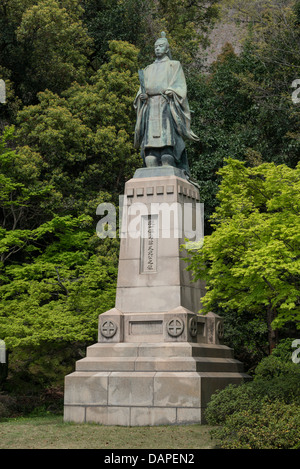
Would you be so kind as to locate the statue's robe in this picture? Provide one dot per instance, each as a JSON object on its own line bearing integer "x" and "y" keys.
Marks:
{"x": 164, "y": 121}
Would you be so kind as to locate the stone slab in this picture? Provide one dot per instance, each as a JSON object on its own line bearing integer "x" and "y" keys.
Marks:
{"x": 108, "y": 415}
{"x": 159, "y": 171}
{"x": 188, "y": 415}
{"x": 130, "y": 389}
{"x": 148, "y": 299}
{"x": 144, "y": 265}
{"x": 149, "y": 416}
{"x": 83, "y": 388}
{"x": 158, "y": 349}
{"x": 75, "y": 414}
{"x": 146, "y": 398}
{"x": 166, "y": 350}
{"x": 122, "y": 349}
{"x": 175, "y": 389}
{"x": 165, "y": 364}
{"x": 129, "y": 273}
{"x": 106, "y": 364}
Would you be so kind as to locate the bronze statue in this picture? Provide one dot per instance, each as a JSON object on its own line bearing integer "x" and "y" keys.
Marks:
{"x": 163, "y": 114}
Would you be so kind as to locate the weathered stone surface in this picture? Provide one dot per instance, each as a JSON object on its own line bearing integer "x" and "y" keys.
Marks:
{"x": 142, "y": 416}
{"x": 157, "y": 361}
{"x": 131, "y": 389}
{"x": 110, "y": 326}
{"x": 168, "y": 285}
{"x": 177, "y": 389}
{"x": 74, "y": 413}
{"x": 83, "y": 388}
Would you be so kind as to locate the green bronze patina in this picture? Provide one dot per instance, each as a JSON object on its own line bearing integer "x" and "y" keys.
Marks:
{"x": 163, "y": 113}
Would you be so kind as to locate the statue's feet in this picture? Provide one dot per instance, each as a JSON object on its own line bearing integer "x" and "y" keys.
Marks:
{"x": 151, "y": 161}
{"x": 167, "y": 160}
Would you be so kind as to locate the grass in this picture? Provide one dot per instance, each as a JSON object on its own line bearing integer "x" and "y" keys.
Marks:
{"x": 51, "y": 432}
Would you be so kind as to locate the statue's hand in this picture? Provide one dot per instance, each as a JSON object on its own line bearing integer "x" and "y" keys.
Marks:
{"x": 169, "y": 93}
{"x": 144, "y": 96}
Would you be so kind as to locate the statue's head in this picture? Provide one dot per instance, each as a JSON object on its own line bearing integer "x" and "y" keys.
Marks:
{"x": 162, "y": 47}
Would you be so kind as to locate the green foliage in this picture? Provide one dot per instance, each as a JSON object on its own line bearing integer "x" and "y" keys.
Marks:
{"x": 44, "y": 45}
{"x": 140, "y": 22}
{"x": 253, "y": 396}
{"x": 73, "y": 64}
{"x": 56, "y": 276}
{"x": 51, "y": 301}
{"x": 220, "y": 118}
{"x": 58, "y": 44}
{"x": 60, "y": 293}
{"x": 276, "y": 426}
{"x": 112, "y": 20}
{"x": 186, "y": 24}
{"x": 243, "y": 106}
{"x": 251, "y": 260}
{"x": 24, "y": 197}
{"x": 283, "y": 349}
{"x": 246, "y": 335}
{"x": 274, "y": 366}
{"x": 226, "y": 402}
{"x": 85, "y": 138}
{"x": 268, "y": 406}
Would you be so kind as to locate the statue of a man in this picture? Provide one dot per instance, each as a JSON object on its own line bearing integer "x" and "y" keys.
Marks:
{"x": 163, "y": 114}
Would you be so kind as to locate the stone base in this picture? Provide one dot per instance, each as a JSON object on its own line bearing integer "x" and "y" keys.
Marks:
{"x": 136, "y": 384}
{"x": 156, "y": 361}
{"x": 159, "y": 171}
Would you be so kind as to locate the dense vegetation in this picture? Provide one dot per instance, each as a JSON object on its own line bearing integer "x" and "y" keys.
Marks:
{"x": 263, "y": 413}
{"x": 70, "y": 69}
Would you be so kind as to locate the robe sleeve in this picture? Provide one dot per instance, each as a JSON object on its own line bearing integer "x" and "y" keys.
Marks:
{"x": 140, "y": 108}
{"x": 179, "y": 104}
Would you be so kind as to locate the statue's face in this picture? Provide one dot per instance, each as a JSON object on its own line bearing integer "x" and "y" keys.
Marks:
{"x": 161, "y": 48}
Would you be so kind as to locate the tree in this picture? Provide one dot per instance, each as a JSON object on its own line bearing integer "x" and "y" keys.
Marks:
{"x": 221, "y": 118}
{"x": 187, "y": 25}
{"x": 244, "y": 107}
{"x": 71, "y": 153}
{"x": 140, "y": 22}
{"x": 60, "y": 288}
{"x": 44, "y": 45}
{"x": 24, "y": 197}
{"x": 51, "y": 298}
{"x": 113, "y": 21}
{"x": 251, "y": 261}
{"x": 56, "y": 275}
{"x": 85, "y": 137}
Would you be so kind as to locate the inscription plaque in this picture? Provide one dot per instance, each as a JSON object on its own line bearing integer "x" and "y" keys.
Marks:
{"x": 149, "y": 232}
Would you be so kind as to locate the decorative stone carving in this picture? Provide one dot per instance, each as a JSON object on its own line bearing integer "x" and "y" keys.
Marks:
{"x": 175, "y": 327}
{"x": 108, "y": 329}
{"x": 193, "y": 326}
{"x": 220, "y": 329}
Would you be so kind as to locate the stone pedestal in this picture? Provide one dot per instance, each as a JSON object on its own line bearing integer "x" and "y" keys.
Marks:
{"x": 157, "y": 361}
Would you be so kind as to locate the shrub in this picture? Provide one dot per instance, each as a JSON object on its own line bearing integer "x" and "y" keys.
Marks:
{"x": 276, "y": 426}
{"x": 284, "y": 350}
{"x": 275, "y": 378}
{"x": 227, "y": 401}
{"x": 273, "y": 367}
{"x": 278, "y": 378}
{"x": 263, "y": 413}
